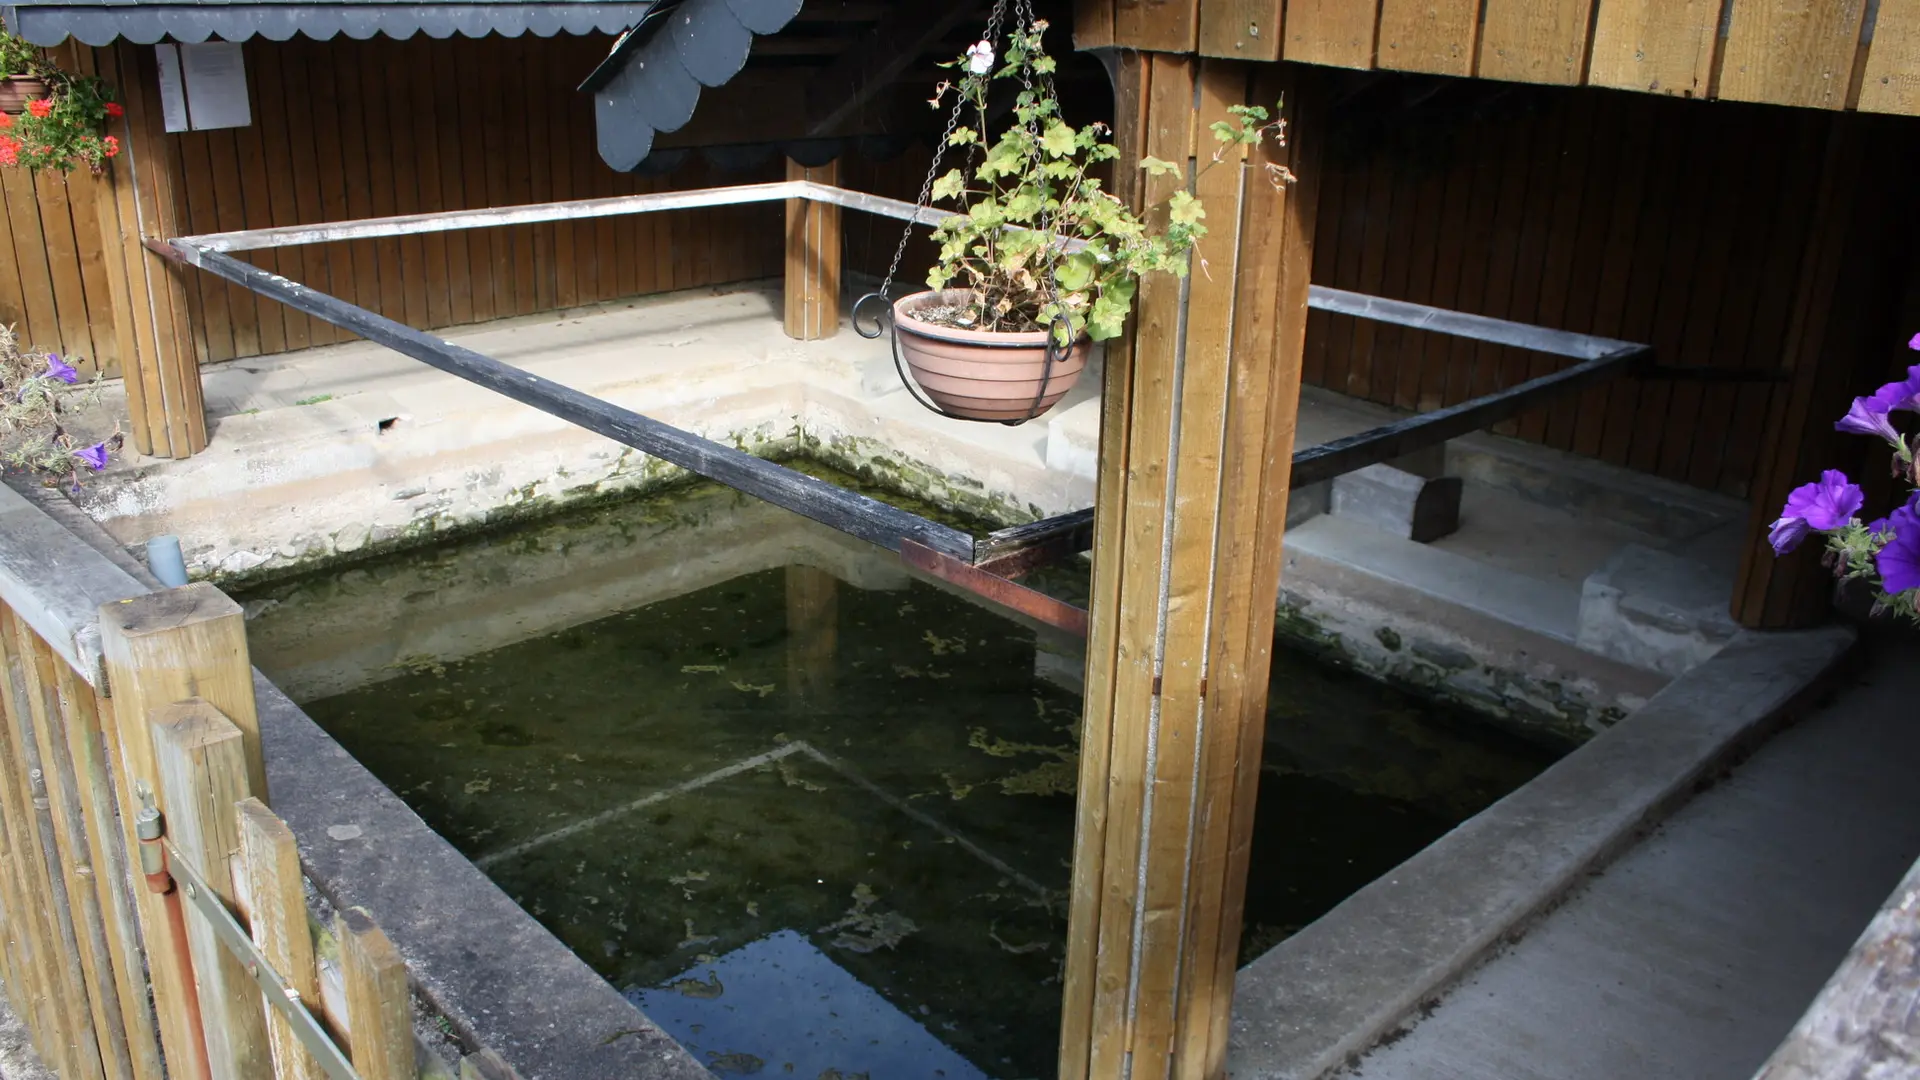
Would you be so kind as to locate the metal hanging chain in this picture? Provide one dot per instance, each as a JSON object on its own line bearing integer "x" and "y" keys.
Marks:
{"x": 940, "y": 148}
{"x": 925, "y": 200}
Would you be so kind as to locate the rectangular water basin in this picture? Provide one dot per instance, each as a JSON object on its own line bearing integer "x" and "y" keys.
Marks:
{"x": 811, "y": 813}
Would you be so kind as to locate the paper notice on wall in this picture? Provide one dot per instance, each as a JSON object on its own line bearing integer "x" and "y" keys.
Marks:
{"x": 173, "y": 91}
{"x": 216, "y": 76}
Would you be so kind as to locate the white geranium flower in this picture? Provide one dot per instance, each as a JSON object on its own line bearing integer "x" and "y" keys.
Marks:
{"x": 980, "y": 57}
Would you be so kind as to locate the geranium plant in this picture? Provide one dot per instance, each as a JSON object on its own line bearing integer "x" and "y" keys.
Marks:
{"x": 1884, "y": 553}
{"x": 38, "y": 394}
{"x": 65, "y": 129}
{"x": 1038, "y": 236}
{"x": 19, "y": 57}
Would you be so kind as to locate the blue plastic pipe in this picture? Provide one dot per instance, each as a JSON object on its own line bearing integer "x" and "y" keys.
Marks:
{"x": 166, "y": 562}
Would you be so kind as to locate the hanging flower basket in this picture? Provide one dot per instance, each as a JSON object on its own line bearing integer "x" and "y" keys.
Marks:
{"x": 17, "y": 90}
{"x": 1002, "y": 376}
{"x": 1036, "y": 259}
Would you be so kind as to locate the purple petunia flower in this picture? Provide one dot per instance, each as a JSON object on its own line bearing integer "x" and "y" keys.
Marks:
{"x": 1914, "y": 342}
{"x": 1904, "y": 394}
{"x": 1822, "y": 506}
{"x": 1868, "y": 416}
{"x": 61, "y": 370}
{"x": 94, "y": 457}
{"x": 1899, "y": 561}
{"x": 1786, "y": 534}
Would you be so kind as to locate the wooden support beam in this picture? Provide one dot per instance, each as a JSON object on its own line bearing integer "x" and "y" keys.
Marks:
{"x": 200, "y": 764}
{"x": 1189, "y": 517}
{"x": 813, "y": 259}
{"x": 148, "y": 207}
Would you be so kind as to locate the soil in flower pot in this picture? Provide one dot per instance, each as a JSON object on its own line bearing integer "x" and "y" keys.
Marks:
{"x": 978, "y": 374}
{"x": 17, "y": 90}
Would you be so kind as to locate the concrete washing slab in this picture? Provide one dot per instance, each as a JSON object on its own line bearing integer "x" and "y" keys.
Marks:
{"x": 1338, "y": 986}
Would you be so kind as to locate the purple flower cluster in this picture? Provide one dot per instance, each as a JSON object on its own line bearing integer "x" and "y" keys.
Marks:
{"x": 1829, "y": 505}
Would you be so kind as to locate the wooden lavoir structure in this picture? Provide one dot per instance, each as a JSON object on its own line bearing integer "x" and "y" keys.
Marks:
{"x": 1681, "y": 226}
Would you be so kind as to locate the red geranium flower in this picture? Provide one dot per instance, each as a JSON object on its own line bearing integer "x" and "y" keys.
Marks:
{"x": 40, "y": 106}
{"x": 114, "y": 109}
{"x": 6, "y": 120}
{"x": 112, "y": 144}
{"x": 9, "y": 151}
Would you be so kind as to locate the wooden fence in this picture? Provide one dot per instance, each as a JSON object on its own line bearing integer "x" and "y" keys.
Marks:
{"x": 138, "y": 860}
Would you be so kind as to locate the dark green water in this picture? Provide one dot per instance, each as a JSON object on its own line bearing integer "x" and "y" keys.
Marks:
{"x": 803, "y": 821}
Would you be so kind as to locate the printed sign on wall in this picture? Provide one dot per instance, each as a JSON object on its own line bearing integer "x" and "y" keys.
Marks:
{"x": 203, "y": 86}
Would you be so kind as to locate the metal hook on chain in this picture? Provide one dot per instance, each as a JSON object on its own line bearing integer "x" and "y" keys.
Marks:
{"x": 880, "y": 319}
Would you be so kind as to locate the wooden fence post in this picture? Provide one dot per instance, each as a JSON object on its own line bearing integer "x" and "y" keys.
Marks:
{"x": 813, "y": 258}
{"x": 1195, "y": 455}
{"x": 279, "y": 922}
{"x": 379, "y": 1011}
{"x": 159, "y": 649}
{"x": 201, "y": 767}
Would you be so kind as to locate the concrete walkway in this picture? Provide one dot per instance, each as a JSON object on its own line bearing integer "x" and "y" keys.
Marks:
{"x": 1693, "y": 955}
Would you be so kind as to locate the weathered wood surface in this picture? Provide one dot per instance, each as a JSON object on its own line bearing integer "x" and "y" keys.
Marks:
{"x": 1787, "y": 52}
{"x": 814, "y": 246}
{"x": 201, "y": 769}
{"x": 277, "y": 902}
{"x": 55, "y": 585}
{"x": 1865, "y": 1024}
{"x": 1185, "y": 570}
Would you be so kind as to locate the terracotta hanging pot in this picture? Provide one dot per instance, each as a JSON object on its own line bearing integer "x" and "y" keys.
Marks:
{"x": 978, "y": 374}
{"x": 17, "y": 90}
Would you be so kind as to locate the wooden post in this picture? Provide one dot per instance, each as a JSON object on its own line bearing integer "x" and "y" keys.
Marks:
{"x": 1843, "y": 341}
{"x": 201, "y": 768}
{"x": 159, "y": 649}
{"x": 1195, "y": 452}
{"x": 813, "y": 259}
{"x": 278, "y": 919}
{"x": 379, "y": 1012}
{"x": 813, "y": 638}
{"x": 162, "y": 370}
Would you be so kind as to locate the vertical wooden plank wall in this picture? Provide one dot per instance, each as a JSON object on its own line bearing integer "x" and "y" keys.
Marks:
{"x": 1819, "y": 54}
{"x": 342, "y": 129}
{"x": 367, "y": 128}
{"x": 1547, "y": 206}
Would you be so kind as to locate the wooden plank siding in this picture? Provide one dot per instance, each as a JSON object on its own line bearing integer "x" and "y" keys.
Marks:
{"x": 421, "y": 126}
{"x": 343, "y": 129}
{"x": 1813, "y": 53}
{"x": 1541, "y": 206}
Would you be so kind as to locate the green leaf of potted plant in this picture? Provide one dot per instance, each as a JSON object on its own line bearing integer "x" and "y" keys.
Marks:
{"x": 1039, "y": 252}
{"x": 22, "y": 74}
